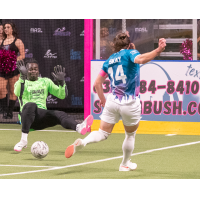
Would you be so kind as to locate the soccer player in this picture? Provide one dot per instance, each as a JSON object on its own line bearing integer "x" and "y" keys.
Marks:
{"x": 32, "y": 94}
{"x": 123, "y": 70}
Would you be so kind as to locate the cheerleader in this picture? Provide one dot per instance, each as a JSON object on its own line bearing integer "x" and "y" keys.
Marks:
{"x": 1, "y": 33}
{"x": 15, "y": 46}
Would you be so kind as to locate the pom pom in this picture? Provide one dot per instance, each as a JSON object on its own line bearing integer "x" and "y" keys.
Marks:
{"x": 7, "y": 61}
{"x": 186, "y": 49}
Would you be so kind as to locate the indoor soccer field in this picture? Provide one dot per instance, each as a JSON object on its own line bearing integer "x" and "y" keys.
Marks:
{"x": 157, "y": 156}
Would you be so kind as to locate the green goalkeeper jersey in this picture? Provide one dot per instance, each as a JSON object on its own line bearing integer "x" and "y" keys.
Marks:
{"x": 37, "y": 91}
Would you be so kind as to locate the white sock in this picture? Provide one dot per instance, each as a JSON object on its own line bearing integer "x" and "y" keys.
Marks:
{"x": 95, "y": 136}
{"x": 24, "y": 137}
{"x": 128, "y": 146}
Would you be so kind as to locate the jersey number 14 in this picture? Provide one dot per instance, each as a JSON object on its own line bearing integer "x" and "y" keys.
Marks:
{"x": 119, "y": 75}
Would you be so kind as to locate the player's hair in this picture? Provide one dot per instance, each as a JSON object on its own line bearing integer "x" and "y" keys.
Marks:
{"x": 15, "y": 32}
{"x": 31, "y": 60}
{"x": 121, "y": 41}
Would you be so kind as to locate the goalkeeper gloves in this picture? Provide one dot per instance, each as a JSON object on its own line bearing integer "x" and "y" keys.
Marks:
{"x": 22, "y": 69}
{"x": 59, "y": 74}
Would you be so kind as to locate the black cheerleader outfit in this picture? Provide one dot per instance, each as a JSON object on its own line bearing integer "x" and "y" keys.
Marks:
{"x": 4, "y": 108}
{"x": 11, "y": 47}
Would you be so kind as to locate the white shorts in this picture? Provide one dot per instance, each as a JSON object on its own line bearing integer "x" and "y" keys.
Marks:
{"x": 130, "y": 113}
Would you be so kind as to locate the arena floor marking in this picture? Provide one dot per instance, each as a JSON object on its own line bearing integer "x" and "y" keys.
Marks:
{"x": 36, "y": 130}
{"x": 170, "y": 134}
{"x": 102, "y": 160}
{"x": 24, "y": 166}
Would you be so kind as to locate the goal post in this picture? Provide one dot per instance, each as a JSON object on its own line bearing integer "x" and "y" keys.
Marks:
{"x": 88, "y": 55}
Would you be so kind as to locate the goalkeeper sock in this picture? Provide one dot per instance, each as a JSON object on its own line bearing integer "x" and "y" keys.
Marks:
{"x": 128, "y": 146}
{"x": 96, "y": 136}
{"x": 24, "y": 136}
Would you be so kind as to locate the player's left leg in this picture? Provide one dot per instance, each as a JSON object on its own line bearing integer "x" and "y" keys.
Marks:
{"x": 131, "y": 115}
{"x": 127, "y": 148}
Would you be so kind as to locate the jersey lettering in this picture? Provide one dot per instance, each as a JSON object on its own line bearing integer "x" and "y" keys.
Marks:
{"x": 112, "y": 61}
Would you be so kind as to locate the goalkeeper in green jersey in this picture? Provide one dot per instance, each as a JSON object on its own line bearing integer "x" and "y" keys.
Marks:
{"x": 32, "y": 92}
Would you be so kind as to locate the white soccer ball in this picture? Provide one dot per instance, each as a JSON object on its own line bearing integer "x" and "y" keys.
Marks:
{"x": 39, "y": 149}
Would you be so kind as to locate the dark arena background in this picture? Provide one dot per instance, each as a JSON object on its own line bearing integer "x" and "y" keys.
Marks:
{"x": 55, "y": 42}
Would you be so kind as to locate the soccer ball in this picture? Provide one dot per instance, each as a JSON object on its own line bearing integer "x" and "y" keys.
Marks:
{"x": 39, "y": 149}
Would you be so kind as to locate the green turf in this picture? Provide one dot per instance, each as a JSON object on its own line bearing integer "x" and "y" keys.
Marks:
{"x": 176, "y": 163}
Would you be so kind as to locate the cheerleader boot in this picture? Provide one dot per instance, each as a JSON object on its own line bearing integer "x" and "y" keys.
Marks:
{"x": 9, "y": 114}
{"x": 3, "y": 106}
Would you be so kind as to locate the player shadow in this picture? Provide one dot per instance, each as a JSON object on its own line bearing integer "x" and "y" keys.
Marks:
{"x": 100, "y": 153}
{"x": 69, "y": 172}
{"x": 85, "y": 169}
{"x": 14, "y": 152}
{"x": 58, "y": 152}
{"x": 6, "y": 148}
{"x": 45, "y": 160}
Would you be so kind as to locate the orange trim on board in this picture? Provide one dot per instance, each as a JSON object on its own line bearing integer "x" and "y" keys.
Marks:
{"x": 157, "y": 127}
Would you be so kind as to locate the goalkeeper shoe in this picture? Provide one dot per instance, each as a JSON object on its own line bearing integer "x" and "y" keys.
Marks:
{"x": 128, "y": 167}
{"x": 72, "y": 149}
{"x": 20, "y": 145}
{"x": 83, "y": 127}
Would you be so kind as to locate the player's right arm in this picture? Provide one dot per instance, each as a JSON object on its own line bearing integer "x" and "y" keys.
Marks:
{"x": 146, "y": 57}
{"x": 17, "y": 87}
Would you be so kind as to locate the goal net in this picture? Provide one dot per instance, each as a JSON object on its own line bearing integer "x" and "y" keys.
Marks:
{"x": 51, "y": 42}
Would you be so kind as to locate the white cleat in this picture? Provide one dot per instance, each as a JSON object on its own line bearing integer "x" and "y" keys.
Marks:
{"x": 83, "y": 127}
{"x": 20, "y": 145}
{"x": 72, "y": 149}
{"x": 129, "y": 167}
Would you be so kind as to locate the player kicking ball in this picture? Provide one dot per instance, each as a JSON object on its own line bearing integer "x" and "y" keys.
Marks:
{"x": 32, "y": 92}
{"x": 123, "y": 70}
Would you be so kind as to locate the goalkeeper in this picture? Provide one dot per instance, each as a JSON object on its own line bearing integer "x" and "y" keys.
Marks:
{"x": 32, "y": 92}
